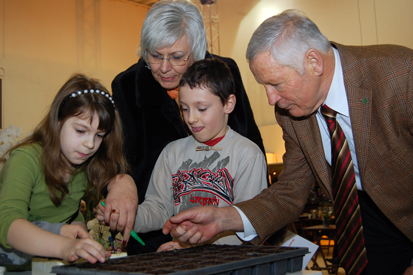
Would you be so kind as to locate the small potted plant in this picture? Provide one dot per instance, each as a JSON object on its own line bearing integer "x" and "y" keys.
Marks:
{"x": 327, "y": 217}
{"x": 103, "y": 235}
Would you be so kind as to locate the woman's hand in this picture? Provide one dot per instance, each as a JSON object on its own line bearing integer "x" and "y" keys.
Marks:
{"x": 121, "y": 205}
{"x": 100, "y": 212}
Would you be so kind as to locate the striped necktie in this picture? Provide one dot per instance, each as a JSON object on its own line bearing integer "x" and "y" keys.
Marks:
{"x": 350, "y": 242}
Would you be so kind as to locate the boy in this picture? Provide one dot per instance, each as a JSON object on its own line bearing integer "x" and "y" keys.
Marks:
{"x": 215, "y": 166}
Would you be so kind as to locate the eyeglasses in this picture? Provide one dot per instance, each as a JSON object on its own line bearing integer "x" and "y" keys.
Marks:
{"x": 175, "y": 60}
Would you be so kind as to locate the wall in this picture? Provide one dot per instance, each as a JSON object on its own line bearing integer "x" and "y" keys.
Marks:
{"x": 355, "y": 22}
{"x": 44, "y": 42}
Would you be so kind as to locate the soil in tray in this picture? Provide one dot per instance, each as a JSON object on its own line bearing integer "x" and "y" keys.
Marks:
{"x": 184, "y": 259}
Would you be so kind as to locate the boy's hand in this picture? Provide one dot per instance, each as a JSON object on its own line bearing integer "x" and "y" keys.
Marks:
{"x": 172, "y": 245}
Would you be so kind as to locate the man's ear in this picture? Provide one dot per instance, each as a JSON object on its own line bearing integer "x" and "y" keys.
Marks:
{"x": 230, "y": 104}
{"x": 314, "y": 62}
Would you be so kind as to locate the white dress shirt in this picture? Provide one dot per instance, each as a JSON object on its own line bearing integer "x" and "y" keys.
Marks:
{"x": 337, "y": 100}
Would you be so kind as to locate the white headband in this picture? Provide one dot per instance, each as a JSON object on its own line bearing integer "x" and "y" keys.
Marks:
{"x": 93, "y": 92}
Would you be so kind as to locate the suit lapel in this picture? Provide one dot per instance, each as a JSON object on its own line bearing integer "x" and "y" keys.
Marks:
{"x": 360, "y": 115}
{"x": 308, "y": 134}
{"x": 359, "y": 101}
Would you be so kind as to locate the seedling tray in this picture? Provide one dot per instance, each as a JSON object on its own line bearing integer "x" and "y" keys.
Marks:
{"x": 205, "y": 260}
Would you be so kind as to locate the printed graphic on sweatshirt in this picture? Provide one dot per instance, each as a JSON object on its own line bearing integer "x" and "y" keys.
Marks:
{"x": 197, "y": 184}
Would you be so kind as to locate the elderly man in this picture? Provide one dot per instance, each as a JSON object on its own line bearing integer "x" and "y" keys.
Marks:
{"x": 346, "y": 114}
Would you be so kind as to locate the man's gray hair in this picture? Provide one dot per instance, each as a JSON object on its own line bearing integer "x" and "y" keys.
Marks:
{"x": 169, "y": 20}
{"x": 287, "y": 36}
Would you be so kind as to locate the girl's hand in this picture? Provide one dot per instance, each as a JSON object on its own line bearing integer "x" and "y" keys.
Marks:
{"x": 74, "y": 231}
{"x": 90, "y": 250}
{"x": 47, "y": 244}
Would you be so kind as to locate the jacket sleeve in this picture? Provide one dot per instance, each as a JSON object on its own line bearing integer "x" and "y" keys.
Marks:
{"x": 284, "y": 200}
{"x": 135, "y": 146}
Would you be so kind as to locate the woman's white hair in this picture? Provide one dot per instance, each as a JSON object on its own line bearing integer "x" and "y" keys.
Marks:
{"x": 287, "y": 36}
{"x": 169, "y": 20}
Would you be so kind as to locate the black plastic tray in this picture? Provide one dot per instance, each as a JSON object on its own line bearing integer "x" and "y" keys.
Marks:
{"x": 206, "y": 259}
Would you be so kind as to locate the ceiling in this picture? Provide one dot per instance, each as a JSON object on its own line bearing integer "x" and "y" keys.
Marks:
{"x": 143, "y": 3}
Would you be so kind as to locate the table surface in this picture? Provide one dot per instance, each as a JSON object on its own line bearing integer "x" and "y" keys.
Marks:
{"x": 320, "y": 227}
{"x": 302, "y": 272}
{"x": 306, "y": 272}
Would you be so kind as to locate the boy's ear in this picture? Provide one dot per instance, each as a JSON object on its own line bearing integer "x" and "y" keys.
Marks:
{"x": 230, "y": 104}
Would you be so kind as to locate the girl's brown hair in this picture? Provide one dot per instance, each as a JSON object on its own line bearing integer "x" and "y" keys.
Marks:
{"x": 106, "y": 163}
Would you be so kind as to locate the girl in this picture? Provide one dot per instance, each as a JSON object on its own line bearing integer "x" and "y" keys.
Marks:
{"x": 76, "y": 148}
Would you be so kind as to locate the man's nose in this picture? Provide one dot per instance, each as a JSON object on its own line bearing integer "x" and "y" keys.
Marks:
{"x": 272, "y": 95}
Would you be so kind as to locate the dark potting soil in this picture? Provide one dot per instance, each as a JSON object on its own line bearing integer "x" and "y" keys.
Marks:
{"x": 182, "y": 260}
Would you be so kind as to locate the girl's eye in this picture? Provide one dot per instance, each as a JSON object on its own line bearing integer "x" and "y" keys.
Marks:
{"x": 184, "y": 109}
{"x": 203, "y": 109}
{"x": 80, "y": 131}
{"x": 101, "y": 135}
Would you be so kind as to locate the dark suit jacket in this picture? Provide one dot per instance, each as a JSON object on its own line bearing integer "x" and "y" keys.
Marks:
{"x": 379, "y": 86}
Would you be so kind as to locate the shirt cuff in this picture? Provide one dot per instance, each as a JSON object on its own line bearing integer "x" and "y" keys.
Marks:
{"x": 249, "y": 231}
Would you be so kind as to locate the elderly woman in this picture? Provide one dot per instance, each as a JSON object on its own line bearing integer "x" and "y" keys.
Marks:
{"x": 173, "y": 38}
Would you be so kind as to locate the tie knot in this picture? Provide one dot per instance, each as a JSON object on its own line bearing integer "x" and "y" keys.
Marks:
{"x": 327, "y": 112}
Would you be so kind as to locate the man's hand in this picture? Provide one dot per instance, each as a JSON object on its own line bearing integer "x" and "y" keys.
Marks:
{"x": 200, "y": 224}
{"x": 121, "y": 205}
